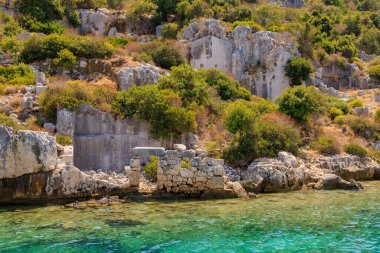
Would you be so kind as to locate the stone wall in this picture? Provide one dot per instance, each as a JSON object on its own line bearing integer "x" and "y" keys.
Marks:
{"x": 181, "y": 171}
{"x": 105, "y": 142}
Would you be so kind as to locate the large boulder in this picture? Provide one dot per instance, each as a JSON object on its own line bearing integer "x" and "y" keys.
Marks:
{"x": 285, "y": 173}
{"x": 26, "y": 152}
{"x": 139, "y": 76}
{"x": 65, "y": 122}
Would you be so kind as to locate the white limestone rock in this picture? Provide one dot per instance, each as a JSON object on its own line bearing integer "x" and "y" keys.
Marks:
{"x": 26, "y": 152}
{"x": 139, "y": 76}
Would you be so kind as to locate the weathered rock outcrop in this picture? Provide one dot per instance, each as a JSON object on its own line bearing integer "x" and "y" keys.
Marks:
{"x": 337, "y": 76}
{"x": 103, "y": 22}
{"x": 26, "y": 152}
{"x": 257, "y": 60}
{"x": 31, "y": 170}
{"x": 290, "y": 3}
{"x": 287, "y": 173}
{"x": 139, "y": 76}
{"x": 65, "y": 122}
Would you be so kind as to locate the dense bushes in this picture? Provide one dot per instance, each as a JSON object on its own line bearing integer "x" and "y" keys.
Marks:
{"x": 298, "y": 70}
{"x": 151, "y": 167}
{"x": 16, "y": 75}
{"x": 72, "y": 94}
{"x": 65, "y": 60}
{"x": 161, "y": 108}
{"x": 43, "y": 47}
{"x": 301, "y": 103}
{"x": 254, "y": 137}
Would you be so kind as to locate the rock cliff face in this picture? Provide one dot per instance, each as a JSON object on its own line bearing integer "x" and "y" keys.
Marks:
{"x": 257, "y": 60}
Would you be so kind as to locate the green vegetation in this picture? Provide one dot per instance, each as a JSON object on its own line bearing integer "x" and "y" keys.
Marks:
{"x": 354, "y": 149}
{"x": 8, "y": 122}
{"x": 161, "y": 108}
{"x": 355, "y": 103}
{"x": 254, "y": 137}
{"x": 16, "y": 75}
{"x": 298, "y": 70}
{"x": 63, "y": 140}
{"x": 170, "y": 30}
{"x": 151, "y": 167}
{"x": 43, "y": 47}
{"x": 65, "y": 60}
{"x": 326, "y": 146}
{"x": 301, "y": 103}
{"x": 72, "y": 94}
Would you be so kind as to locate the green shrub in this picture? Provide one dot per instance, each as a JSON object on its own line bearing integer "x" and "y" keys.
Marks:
{"x": 356, "y": 150}
{"x": 117, "y": 42}
{"x": 228, "y": 88}
{"x": 34, "y": 25}
{"x": 72, "y": 94}
{"x": 252, "y": 24}
{"x": 161, "y": 108}
{"x": 151, "y": 168}
{"x": 301, "y": 102}
{"x": 16, "y": 75}
{"x": 186, "y": 81}
{"x": 340, "y": 120}
{"x": 326, "y": 146}
{"x": 43, "y": 47}
{"x": 333, "y": 102}
{"x": 374, "y": 73}
{"x": 298, "y": 69}
{"x": 166, "y": 56}
{"x": 65, "y": 60}
{"x": 335, "y": 112}
{"x": 362, "y": 127}
{"x": 63, "y": 140}
{"x": 170, "y": 30}
{"x": 355, "y": 103}
{"x": 8, "y": 122}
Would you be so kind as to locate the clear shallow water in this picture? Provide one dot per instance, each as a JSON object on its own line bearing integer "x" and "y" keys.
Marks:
{"x": 315, "y": 221}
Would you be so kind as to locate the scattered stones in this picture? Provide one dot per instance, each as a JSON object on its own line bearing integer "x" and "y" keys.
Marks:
{"x": 362, "y": 111}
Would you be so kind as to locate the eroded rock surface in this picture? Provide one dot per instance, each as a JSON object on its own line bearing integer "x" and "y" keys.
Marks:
{"x": 26, "y": 152}
{"x": 256, "y": 59}
{"x": 139, "y": 76}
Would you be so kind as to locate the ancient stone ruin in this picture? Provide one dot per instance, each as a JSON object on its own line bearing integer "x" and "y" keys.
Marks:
{"x": 181, "y": 171}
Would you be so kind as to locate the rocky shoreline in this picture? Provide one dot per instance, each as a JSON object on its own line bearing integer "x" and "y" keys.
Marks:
{"x": 34, "y": 169}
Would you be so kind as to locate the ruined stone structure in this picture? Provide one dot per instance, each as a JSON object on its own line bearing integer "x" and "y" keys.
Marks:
{"x": 256, "y": 59}
{"x": 104, "y": 142}
{"x": 139, "y": 76}
{"x": 181, "y": 171}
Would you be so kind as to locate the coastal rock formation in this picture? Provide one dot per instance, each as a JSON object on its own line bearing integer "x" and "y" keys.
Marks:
{"x": 256, "y": 59}
{"x": 287, "y": 173}
{"x": 26, "y": 152}
{"x": 139, "y": 76}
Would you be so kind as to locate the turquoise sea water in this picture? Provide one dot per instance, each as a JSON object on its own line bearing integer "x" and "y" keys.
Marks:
{"x": 311, "y": 221}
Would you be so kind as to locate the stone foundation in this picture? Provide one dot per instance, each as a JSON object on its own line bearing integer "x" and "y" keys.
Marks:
{"x": 182, "y": 171}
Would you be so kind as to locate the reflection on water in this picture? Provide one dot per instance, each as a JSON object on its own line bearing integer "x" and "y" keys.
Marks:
{"x": 323, "y": 221}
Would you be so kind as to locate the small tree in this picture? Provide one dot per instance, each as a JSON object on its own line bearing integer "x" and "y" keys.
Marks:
{"x": 170, "y": 30}
{"x": 301, "y": 103}
{"x": 298, "y": 70}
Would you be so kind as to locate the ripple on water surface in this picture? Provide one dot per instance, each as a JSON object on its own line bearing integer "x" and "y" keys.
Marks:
{"x": 323, "y": 221}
